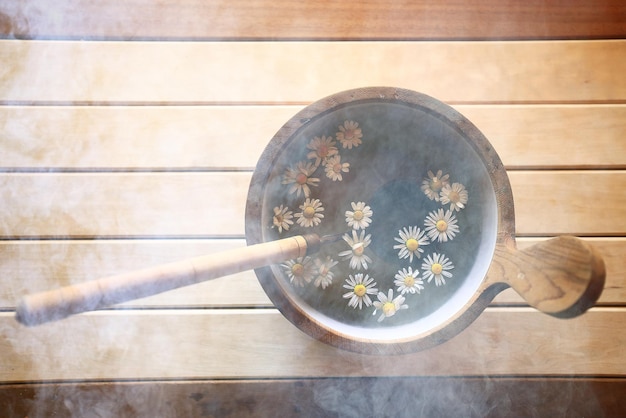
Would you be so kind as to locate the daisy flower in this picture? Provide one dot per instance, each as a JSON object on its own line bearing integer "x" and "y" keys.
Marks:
{"x": 408, "y": 282}
{"x": 437, "y": 266}
{"x": 349, "y": 134}
{"x": 282, "y": 218}
{"x": 311, "y": 213}
{"x": 360, "y": 287}
{"x": 441, "y": 226}
{"x": 334, "y": 167}
{"x": 322, "y": 148}
{"x": 356, "y": 253}
{"x": 388, "y": 305}
{"x": 300, "y": 178}
{"x": 432, "y": 185}
{"x": 411, "y": 242}
{"x": 456, "y": 195}
{"x": 299, "y": 271}
{"x": 324, "y": 275}
{"x": 360, "y": 216}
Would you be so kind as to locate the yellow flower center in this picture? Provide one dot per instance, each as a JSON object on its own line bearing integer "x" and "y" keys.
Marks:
{"x": 358, "y": 215}
{"x": 412, "y": 244}
{"x": 337, "y": 168}
{"x": 358, "y": 249}
{"x": 436, "y": 268}
{"x": 436, "y": 184}
{"x": 297, "y": 269}
{"x": 301, "y": 178}
{"x": 409, "y": 281}
{"x": 389, "y": 308}
{"x": 454, "y": 196}
{"x": 348, "y": 134}
{"x": 360, "y": 290}
{"x": 442, "y": 225}
{"x": 309, "y": 212}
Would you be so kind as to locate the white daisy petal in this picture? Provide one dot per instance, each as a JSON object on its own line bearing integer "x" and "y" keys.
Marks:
{"x": 349, "y": 134}
{"x": 437, "y": 266}
{"x": 360, "y": 216}
{"x": 299, "y": 270}
{"x": 311, "y": 214}
{"x": 388, "y": 305}
{"x": 407, "y": 281}
{"x": 432, "y": 185}
{"x": 282, "y": 218}
{"x": 334, "y": 168}
{"x": 456, "y": 195}
{"x": 360, "y": 286}
{"x": 441, "y": 226}
{"x": 412, "y": 241}
{"x": 356, "y": 254}
{"x": 300, "y": 178}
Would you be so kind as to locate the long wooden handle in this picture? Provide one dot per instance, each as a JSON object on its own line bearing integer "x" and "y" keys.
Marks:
{"x": 60, "y": 303}
{"x": 562, "y": 276}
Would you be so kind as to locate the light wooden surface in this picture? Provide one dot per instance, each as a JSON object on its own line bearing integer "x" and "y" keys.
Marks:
{"x": 127, "y": 139}
{"x": 319, "y": 19}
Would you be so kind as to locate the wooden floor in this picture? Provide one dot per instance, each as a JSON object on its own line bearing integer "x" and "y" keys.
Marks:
{"x": 128, "y": 135}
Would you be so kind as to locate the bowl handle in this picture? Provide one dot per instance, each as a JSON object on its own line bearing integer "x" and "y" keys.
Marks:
{"x": 562, "y": 276}
{"x": 88, "y": 296}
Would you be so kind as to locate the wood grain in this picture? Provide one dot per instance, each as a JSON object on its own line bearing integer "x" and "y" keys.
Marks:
{"x": 200, "y": 137}
{"x": 563, "y": 276}
{"x": 56, "y": 304}
{"x": 34, "y": 266}
{"x": 319, "y": 19}
{"x": 302, "y": 72}
{"x": 212, "y": 204}
{"x": 421, "y": 396}
{"x": 262, "y": 344}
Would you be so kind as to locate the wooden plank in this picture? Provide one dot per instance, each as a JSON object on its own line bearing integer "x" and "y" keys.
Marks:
{"x": 570, "y": 201}
{"x": 149, "y": 204}
{"x": 320, "y": 19}
{"x": 34, "y": 266}
{"x": 486, "y": 396}
{"x": 247, "y": 344}
{"x": 301, "y": 72}
{"x": 213, "y": 204}
{"x": 163, "y": 137}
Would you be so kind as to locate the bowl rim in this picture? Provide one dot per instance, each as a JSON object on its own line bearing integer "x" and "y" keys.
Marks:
{"x": 505, "y": 224}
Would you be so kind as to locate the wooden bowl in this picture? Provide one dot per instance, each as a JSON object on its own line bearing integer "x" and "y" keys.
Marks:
{"x": 386, "y": 169}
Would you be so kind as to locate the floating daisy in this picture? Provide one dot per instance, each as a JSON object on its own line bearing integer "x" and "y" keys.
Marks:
{"x": 282, "y": 218}
{"x": 322, "y": 148}
{"x": 411, "y": 243}
{"x": 388, "y": 305}
{"x": 360, "y": 287}
{"x": 311, "y": 214}
{"x": 300, "y": 178}
{"x": 323, "y": 273}
{"x": 349, "y": 134}
{"x": 441, "y": 226}
{"x": 455, "y": 195}
{"x": 360, "y": 216}
{"x": 299, "y": 271}
{"x": 408, "y": 282}
{"x": 356, "y": 253}
{"x": 437, "y": 266}
{"x": 334, "y": 167}
{"x": 432, "y": 185}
